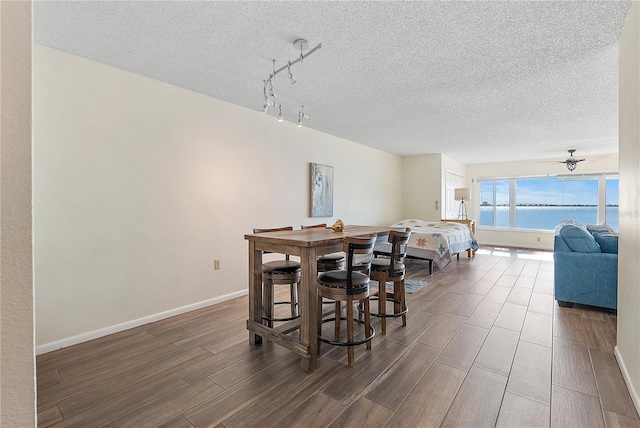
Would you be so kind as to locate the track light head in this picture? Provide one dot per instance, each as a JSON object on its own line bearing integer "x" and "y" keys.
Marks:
{"x": 291, "y": 78}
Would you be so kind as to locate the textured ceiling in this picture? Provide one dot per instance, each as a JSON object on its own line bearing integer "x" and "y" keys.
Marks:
{"x": 479, "y": 81}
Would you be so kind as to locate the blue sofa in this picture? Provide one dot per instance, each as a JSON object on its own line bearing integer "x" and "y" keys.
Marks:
{"x": 586, "y": 264}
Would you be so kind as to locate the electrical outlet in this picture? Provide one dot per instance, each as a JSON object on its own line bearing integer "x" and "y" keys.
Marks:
{"x": 216, "y": 265}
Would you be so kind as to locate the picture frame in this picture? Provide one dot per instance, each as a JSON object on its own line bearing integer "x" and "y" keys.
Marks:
{"x": 321, "y": 190}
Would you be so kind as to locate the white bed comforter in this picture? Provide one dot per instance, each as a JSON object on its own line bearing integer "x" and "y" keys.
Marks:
{"x": 435, "y": 241}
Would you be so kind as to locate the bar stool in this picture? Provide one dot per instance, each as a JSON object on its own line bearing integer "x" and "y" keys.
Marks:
{"x": 275, "y": 273}
{"x": 391, "y": 269}
{"x": 327, "y": 262}
{"x": 349, "y": 286}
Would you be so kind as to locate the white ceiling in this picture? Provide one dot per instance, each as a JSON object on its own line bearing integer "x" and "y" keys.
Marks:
{"x": 479, "y": 81}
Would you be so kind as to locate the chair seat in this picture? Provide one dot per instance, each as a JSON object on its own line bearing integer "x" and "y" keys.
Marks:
{"x": 329, "y": 262}
{"x": 382, "y": 265}
{"x": 337, "y": 279}
{"x": 280, "y": 267}
{"x": 331, "y": 258}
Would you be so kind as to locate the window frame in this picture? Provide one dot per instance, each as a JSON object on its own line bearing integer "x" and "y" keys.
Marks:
{"x": 601, "y": 197}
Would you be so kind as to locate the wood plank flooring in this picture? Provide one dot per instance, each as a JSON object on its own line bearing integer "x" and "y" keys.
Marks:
{"x": 485, "y": 345}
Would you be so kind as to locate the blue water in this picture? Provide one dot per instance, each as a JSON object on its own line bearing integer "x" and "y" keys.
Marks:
{"x": 546, "y": 218}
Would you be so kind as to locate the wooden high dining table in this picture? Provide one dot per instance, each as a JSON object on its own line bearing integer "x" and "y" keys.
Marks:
{"x": 308, "y": 244}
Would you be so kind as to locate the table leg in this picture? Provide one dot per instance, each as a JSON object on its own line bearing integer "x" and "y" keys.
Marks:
{"x": 308, "y": 307}
{"x": 255, "y": 290}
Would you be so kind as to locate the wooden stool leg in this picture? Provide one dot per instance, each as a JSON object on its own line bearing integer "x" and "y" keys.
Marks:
{"x": 319, "y": 323}
{"x": 293, "y": 291}
{"x": 267, "y": 303}
{"x": 396, "y": 297}
{"x": 403, "y": 302}
{"x": 337, "y": 323}
{"x": 367, "y": 320}
{"x": 382, "y": 304}
{"x": 350, "y": 351}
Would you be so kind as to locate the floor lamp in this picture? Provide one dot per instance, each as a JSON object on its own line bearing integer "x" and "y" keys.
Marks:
{"x": 462, "y": 194}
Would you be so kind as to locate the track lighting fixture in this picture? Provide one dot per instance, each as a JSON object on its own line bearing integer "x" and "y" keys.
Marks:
{"x": 301, "y": 116}
{"x": 268, "y": 91}
{"x": 291, "y": 78}
{"x": 268, "y": 104}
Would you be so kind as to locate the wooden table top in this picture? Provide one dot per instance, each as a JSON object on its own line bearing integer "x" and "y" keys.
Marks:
{"x": 315, "y": 236}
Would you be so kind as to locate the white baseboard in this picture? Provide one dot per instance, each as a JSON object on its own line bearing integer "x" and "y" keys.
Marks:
{"x": 48, "y": 347}
{"x": 527, "y": 247}
{"x": 625, "y": 375}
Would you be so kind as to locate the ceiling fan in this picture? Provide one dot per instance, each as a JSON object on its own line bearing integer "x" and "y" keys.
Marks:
{"x": 571, "y": 161}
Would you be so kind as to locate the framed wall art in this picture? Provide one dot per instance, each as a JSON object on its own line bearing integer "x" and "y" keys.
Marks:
{"x": 321, "y": 190}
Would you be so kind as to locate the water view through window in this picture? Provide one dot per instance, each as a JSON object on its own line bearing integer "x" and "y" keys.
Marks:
{"x": 542, "y": 203}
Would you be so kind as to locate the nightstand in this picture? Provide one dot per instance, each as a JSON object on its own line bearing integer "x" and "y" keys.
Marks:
{"x": 471, "y": 224}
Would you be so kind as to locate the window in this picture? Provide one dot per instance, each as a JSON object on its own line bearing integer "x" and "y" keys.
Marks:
{"x": 494, "y": 205}
{"x": 540, "y": 203}
{"x": 611, "y": 197}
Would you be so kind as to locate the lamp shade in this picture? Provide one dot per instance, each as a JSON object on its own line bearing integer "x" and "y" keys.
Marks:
{"x": 462, "y": 194}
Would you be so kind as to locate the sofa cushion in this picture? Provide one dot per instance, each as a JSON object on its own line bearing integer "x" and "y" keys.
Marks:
{"x": 601, "y": 228}
{"x": 578, "y": 238}
{"x": 608, "y": 242}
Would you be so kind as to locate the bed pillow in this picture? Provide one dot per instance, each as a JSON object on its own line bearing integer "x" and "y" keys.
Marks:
{"x": 608, "y": 242}
{"x": 578, "y": 238}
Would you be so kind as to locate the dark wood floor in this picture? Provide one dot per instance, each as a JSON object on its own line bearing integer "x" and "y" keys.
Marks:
{"x": 485, "y": 345}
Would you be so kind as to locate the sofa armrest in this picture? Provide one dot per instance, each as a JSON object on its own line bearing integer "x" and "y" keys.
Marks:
{"x": 587, "y": 278}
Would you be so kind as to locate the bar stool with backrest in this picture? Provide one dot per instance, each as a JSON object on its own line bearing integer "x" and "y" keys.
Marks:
{"x": 275, "y": 273}
{"x": 391, "y": 269}
{"x": 327, "y": 262}
{"x": 349, "y": 286}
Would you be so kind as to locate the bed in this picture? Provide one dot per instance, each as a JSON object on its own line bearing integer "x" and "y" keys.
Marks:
{"x": 434, "y": 241}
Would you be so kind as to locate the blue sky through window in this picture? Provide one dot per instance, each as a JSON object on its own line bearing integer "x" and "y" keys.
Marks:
{"x": 548, "y": 191}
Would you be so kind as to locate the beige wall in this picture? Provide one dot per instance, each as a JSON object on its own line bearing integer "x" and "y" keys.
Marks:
{"x": 17, "y": 373}
{"x": 628, "y": 343}
{"x": 140, "y": 185}
{"x": 422, "y": 180}
{"x": 527, "y": 239}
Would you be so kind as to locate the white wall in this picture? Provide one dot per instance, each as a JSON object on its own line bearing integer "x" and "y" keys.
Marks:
{"x": 422, "y": 180}
{"x": 17, "y": 368}
{"x": 628, "y": 343}
{"x": 140, "y": 185}
{"x": 525, "y": 239}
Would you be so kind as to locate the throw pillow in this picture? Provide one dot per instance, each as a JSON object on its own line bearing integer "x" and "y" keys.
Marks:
{"x": 578, "y": 238}
{"x": 601, "y": 228}
{"x": 608, "y": 242}
{"x": 566, "y": 222}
